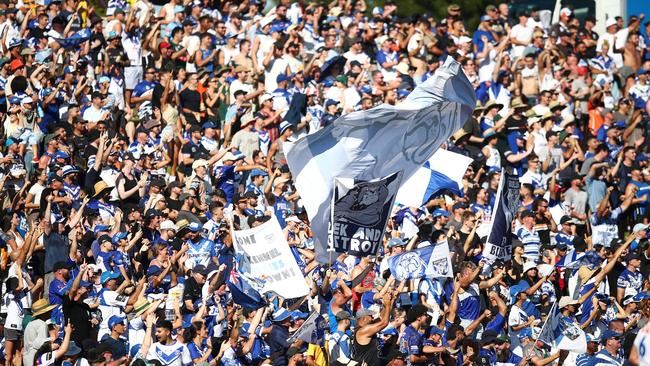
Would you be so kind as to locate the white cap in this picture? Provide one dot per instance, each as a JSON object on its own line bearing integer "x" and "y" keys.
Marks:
{"x": 293, "y": 218}
{"x": 27, "y": 100}
{"x": 167, "y": 225}
{"x": 264, "y": 97}
{"x": 609, "y": 22}
{"x": 566, "y": 11}
{"x": 464, "y": 39}
{"x": 265, "y": 21}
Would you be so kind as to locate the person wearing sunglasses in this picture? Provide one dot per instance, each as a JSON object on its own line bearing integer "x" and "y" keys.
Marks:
{"x": 609, "y": 354}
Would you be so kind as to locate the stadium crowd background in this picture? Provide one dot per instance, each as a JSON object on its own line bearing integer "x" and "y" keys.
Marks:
{"x": 132, "y": 142}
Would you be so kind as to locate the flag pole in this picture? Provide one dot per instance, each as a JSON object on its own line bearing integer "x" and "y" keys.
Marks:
{"x": 550, "y": 313}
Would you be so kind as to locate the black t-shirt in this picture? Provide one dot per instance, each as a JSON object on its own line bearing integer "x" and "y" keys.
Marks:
{"x": 174, "y": 204}
{"x": 79, "y": 314}
{"x": 191, "y": 292}
{"x": 191, "y": 99}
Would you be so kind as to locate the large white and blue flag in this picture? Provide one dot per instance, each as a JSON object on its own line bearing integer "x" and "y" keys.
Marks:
{"x": 563, "y": 332}
{"x": 378, "y": 142}
{"x": 443, "y": 171}
{"x": 430, "y": 261}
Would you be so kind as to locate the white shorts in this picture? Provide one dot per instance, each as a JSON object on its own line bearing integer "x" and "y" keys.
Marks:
{"x": 132, "y": 76}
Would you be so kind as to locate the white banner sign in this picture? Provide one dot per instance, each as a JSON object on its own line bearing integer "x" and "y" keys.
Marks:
{"x": 269, "y": 259}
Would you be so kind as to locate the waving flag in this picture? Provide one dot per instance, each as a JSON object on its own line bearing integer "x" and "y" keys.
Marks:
{"x": 430, "y": 261}
{"x": 311, "y": 331}
{"x": 444, "y": 170}
{"x": 243, "y": 292}
{"x": 375, "y": 143}
{"x": 563, "y": 332}
{"x": 575, "y": 260}
{"x": 499, "y": 241}
{"x": 74, "y": 40}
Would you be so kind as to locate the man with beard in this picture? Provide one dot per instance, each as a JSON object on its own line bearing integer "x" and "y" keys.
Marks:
{"x": 505, "y": 356}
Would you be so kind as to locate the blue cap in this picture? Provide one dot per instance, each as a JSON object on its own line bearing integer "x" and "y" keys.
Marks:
{"x": 104, "y": 79}
{"x": 516, "y": 290}
{"x": 619, "y": 124}
{"x": 194, "y": 227}
{"x": 179, "y": 9}
{"x": 641, "y": 71}
{"x": 403, "y": 93}
{"x": 280, "y": 315}
{"x": 440, "y": 212}
{"x": 14, "y": 100}
{"x": 395, "y": 242}
{"x": 435, "y": 330}
{"x": 119, "y": 236}
{"x": 486, "y": 18}
{"x": 100, "y": 227}
{"x": 154, "y": 271}
{"x": 109, "y": 275}
{"x": 525, "y": 333}
{"x": 46, "y": 91}
{"x": 61, "y": 154}
{"x": 70, "y": 69}
{"x": 330, "y": 102}
{"x": 112, "y": 34}
{"x": 209, "y": 124}
{"x": 258, "y": 172}
{"x": 296, "y": 314}
{"x": 115, "y": 320}
{"x": 230, "y": 35}
{"x": 607, "y": 334}
{"x": 283, "y": 77}
{"x": 10, "y": 142}
{"x": 366, "y": 89}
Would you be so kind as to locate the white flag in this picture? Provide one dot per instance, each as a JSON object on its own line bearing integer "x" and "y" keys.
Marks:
{"x": 378, "y": 142}
{"x": 444, "y": 170}
{"x": 269, "y": 258}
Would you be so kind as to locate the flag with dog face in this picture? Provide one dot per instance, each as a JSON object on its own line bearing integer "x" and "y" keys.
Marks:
{"x": 360, "y": 211}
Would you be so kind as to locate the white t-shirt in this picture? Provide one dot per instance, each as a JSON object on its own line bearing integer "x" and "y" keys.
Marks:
{"x": 93, "y": 114}
{"x": 516, "y": 317}
{"x": 110, "y": 303}
{"x": 175, "y": 354}
{"x": 522, "y": 34}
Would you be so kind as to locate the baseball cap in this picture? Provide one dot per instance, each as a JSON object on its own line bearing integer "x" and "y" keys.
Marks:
{"x": 258, "y": 172}
{"x": 440, "y": 212}
{"x": 115, "y": 320}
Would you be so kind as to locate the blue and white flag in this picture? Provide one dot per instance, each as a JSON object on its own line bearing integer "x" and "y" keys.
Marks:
{"x": 563, "y": 332}
{"x": 311, "y": 331}
{"x": 375, "y": 143}
{"x": 443, "y": 171}
{"x": 74, "y": 40}
{"x": 575, "y": 260}
{"x": 430, "y": 261}
{"x": 499, "y": 241}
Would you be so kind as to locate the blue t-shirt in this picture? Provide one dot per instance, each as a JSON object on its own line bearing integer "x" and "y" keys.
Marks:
{"x": 225, "y": 179}
{"x": 411, "y": 342}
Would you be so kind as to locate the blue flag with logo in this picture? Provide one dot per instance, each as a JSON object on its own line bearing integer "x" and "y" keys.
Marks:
{"x": 430, "y": 261}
